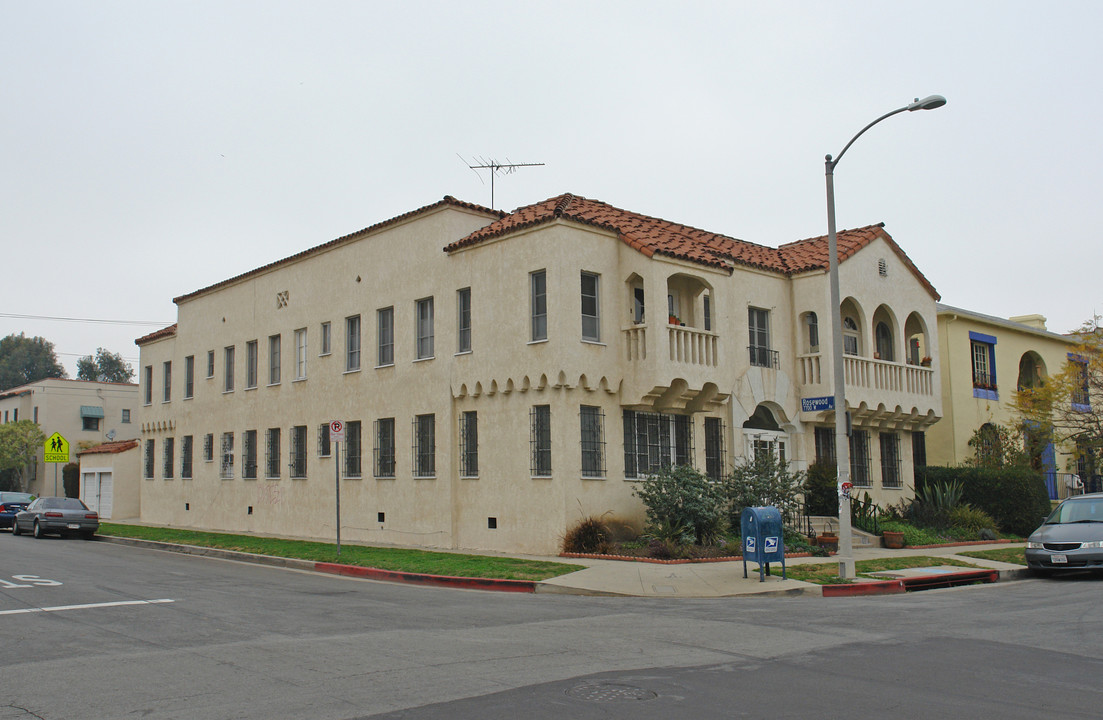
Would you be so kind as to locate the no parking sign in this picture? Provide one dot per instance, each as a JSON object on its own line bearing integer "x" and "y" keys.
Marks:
{"x": 337, "y": 431}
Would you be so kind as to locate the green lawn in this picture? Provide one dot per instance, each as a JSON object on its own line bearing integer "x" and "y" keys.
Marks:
{"x": 827, "y": 573}
{"x": 398, "y": 559}
{"x": 1015, "y": 555}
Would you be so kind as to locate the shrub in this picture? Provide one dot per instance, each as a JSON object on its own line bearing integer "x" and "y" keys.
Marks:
{"x": 1015, "y": 497}
{"x": 934, "y": 504}
{"x": 971, "y": 519}
{"x": 821, "y": 494}
{"x": 764, "y": 480}
{"x": 589, "y": 535}
{"x": 681, "y": 501}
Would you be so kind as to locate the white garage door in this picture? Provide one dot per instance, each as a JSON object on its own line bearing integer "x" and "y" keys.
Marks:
{"x": 95, "y": 491}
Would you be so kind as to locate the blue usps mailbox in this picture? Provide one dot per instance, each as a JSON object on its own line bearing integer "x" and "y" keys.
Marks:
{"x": 763, "y": 539}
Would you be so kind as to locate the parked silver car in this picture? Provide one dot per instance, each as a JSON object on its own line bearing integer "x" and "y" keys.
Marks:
{"x": 1071, "y": 538}
{"x": 57, "y": 516}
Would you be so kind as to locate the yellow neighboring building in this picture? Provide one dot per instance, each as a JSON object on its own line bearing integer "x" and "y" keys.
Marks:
{"x": 985, "y": 360}
{"x": 502, "y": 375}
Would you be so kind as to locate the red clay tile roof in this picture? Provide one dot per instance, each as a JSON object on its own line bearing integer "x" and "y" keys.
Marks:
{"x": 110, "y": 447}
{"x": 655, "y": 236}
{"x": 157, "y": 335}
{"x": 446, "y": 200}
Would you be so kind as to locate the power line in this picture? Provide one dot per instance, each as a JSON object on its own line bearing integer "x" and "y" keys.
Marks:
{"x": 16, "y": 316}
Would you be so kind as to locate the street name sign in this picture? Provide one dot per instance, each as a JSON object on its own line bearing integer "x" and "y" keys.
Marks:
{"x": 817, "y": 404}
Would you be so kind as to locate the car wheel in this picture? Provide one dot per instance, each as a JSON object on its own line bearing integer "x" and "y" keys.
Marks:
{"x": 37, "y": 530}
{"x": 14, "y": 527}
{"x": 88, "y": 534}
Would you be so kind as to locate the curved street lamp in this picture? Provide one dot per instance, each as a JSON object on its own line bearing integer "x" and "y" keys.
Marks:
{"x": 842, "y": 444}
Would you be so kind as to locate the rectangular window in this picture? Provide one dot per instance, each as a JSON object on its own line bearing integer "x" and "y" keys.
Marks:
{"x": 425, "y": 445}
{"x": 226, "y": 471}
{"x": 210, "y": 363}
{"x": 228, "y": 367}
{"x": 540, "y": 459}
{"x": 538, "y": 282}
{"x": 185, "y": 457}
{"x": 251, "y": 364}
{"x": 385, "y": 333}
{"x": 249, "y": 455}
{"x": 982, "y": 351}
{"x": 148, "y": 468}
{"x": 274, "y": 358}
{"x": 919, "y": 449}
{"x": 591, "y": 422}
{"x": 825, "y": 445}
{"x": 758, "y": 323}
{"x": 324, "y": 447}
{"x": 469, "y": 444}
{"x": 125, "y": 418}
{"x": 189, "y": 376}
{"x": 208, "y": 447}
{"x": 300, "y": 354}
{"x": 168, "y": 458}
{"x": 272, "y": 453}
{"x": 298, "y": 452}
{"x": 982, "y": 374}
{"x": 352, "y": 449}
{"x": 707, "y": 306}
{"x": 384, "y": 448}
{"x": 890, "y": 460}
{"x": 591, "y": 317}
{"x": 147, "y": 380}
{"x": 463, "y": 302}
{"x": 653, "y": 441}
{"x": 352, "y": 343}
{"x": 1080, "y": 395}
{"x": 424, "y": 323}
{"x": 166, "y": 375}
{"x": 327, "y": 339}
{"x": 859, "y": 458}
{"x": 714, "y": 448}
{"x": 87, "y": 423}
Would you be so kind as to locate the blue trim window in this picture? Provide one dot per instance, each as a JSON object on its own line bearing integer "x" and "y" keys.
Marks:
{"x": 982, "y": 351}
{"x": 1081, "y": 398}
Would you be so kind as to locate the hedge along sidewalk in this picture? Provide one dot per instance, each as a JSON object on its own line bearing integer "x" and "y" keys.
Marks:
{"x": 390, "y": 560}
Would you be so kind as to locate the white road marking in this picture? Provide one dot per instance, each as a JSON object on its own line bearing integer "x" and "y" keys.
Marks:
{"x": 59, "y": 608}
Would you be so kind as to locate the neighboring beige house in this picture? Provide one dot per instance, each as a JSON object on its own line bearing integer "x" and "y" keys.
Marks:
{"x": 985, "y": 360}
{"x": 110, "y": 481}
{"x": 85, "y": 413}
{"x": 502, "y": 375}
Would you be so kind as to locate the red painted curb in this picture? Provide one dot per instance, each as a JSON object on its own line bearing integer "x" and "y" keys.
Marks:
{"x": 520, "y": 586}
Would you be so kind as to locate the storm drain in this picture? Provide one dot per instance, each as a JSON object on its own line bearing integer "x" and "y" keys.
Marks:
{"x": 609, "y": 692}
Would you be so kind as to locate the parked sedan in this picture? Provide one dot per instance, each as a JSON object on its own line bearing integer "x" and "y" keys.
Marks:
{"x": 57, "y": 515}
{"x": 10, "y": 504}
{"x": 1071, "y": 538}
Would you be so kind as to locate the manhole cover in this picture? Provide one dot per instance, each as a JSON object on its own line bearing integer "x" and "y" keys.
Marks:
{"x": 609, "y": 692}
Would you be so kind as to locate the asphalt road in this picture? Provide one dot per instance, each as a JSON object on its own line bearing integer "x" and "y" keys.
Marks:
{"x": 99, "y": 630}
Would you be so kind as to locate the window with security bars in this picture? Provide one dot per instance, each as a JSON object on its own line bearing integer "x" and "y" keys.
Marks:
{"x": 352, "y": 449}
{"x": 186, "y": 457}
{"x": 653, "y": 441}
{"x": 592, "y": 439}
{"x": 714, "y": 448}
{"x": 324, "y": 445}
{"x": 825, "y": 445}
{"x": 249, "y": 455}
{"x": 890, "y": 460}
{"x": 148, "y": 469}
{"x": 859, "y": 458}
{"x": 208, "y": 447}
{"x": 384, "y": 448}
{"x": 272, "y": 453}
{"x": 469, "y": 444}
{"x": 168, "y": 459}
{"x": 298, "y": 452}
{"x": 540, "y": 441}
{"x": 226, "y": 471}
{"x": 424, "y": 449}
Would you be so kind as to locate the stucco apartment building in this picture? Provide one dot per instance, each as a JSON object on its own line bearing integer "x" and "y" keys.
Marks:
{"x": 85, "y": 413}
{"x": 503, "y": 375}
{"x": 985, "y": 360}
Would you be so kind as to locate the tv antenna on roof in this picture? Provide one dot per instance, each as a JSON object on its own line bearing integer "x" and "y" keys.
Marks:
{"x": 495, "y": 168}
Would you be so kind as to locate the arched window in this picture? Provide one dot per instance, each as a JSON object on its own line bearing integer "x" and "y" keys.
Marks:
{"x": 813, "y": 332}
{"x": 850, "y": 336}
{"x": 884, "y": 341}
{"x": 762, "y": 434}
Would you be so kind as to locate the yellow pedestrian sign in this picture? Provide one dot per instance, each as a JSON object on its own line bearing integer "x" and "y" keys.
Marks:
{"x": 56, "y": 449}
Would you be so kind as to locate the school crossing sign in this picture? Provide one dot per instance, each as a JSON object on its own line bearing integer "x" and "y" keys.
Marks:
{"x": 55, "y": 449}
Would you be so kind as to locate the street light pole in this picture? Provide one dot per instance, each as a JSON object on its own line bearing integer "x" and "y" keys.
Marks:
{"x": 842, "y": 440}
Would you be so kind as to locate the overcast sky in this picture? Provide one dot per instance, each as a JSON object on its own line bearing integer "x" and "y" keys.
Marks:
{"x": 149, "y": 149}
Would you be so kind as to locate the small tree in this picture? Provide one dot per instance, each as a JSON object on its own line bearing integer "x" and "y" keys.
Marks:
{"x": 681, "y": 501}
{"x": 106, "y": 367}
{"x": 996, "y": 446}
{"x": 764, "y": 480}
{"x": 19, "y": 443}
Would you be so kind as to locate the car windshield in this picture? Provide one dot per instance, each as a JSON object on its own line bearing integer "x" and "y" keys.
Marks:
{"x": 15, "y": 497}
{"x": 1077, "y": 511}
{"x": 63, "y": 504}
